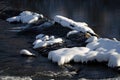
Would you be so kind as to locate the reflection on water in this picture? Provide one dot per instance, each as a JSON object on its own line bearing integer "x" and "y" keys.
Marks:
{"x": 102, "y": 15}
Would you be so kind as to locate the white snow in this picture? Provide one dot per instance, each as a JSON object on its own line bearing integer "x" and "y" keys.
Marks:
{"x": 45, "y": 40}
{"x": 13, "y": 19}
{"x": 37, "y": 41}
{"x": 91, "y": 39}
{"x": 114, "y": 60}
{"x": 71, "y": 32}
{"x": 102, "y": 49}
{"x": 79, "y": 26}
{"x": 65, "y": 55}
{"x": 25, "y": 17}
{"x": 26, "y": 52}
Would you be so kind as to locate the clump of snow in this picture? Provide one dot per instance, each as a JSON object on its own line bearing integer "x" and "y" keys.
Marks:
{"x": 45, "y": 40}
{"x": 25, "y": 52}
{"x": 102, "y": 49}
{"x": 78, "y": 26}
{"x": 25, "y": 17}
{"x": 71, "y": 32}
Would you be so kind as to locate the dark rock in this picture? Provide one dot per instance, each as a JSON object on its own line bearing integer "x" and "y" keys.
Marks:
{"x": 79, "y": 37}
{"x": 45, "y": 50}
{"x": 57, "y": 30}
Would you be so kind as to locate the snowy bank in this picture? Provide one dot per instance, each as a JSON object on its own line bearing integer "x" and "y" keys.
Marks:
{"x": 100, "y": 50}
{"x": 25, "y": 17}
{"x": 78, "y": 26}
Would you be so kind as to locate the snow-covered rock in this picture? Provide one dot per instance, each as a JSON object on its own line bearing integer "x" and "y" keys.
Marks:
{"x": 25, "y": 52}
{"x": 25, "y": 17}
{"x": 65, "y": 55}
{"x": 78, "y": 26}
{"x": 45, "y": 40}
{"x": 102, "y": 50}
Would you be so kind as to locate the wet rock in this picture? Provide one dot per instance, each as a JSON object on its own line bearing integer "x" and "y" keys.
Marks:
{"x": 57, "y": 30}
{"x": 79, "y": 37}
{"x": 45, "y": 50}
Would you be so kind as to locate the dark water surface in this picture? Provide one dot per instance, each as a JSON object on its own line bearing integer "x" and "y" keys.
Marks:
{"x": 102, "y": 15}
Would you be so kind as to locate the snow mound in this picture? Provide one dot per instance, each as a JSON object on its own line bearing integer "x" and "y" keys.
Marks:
{"x": 101, "y": 50}
{"x": 45, "y": 40}
{"x": 25, "y": 17}
{"x": 78, "y": 26}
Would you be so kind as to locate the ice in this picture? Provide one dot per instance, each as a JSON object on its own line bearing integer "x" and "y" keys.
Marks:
{"x": 25, "y": 17}
{"x": 78, "y": 26}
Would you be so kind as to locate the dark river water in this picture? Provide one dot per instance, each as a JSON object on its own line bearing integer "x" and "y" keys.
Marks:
{"x": 101, "y": 15}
